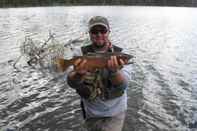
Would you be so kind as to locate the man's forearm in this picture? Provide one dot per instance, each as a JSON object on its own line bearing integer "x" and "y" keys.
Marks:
{"x": 117, "y": 78}
{"x": 74, "y": 79}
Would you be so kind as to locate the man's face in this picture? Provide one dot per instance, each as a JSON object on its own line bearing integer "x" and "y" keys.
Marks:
{"x": 99, "y": 35}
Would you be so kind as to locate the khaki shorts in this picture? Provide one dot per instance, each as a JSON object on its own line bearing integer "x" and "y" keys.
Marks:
{"x": 114, "y": 123}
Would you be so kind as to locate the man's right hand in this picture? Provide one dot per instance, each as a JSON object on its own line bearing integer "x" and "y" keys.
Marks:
{"x": 79, "y": 66}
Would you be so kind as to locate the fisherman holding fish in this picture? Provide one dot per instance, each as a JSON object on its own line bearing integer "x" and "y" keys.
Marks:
{"x": 102, "y": 91}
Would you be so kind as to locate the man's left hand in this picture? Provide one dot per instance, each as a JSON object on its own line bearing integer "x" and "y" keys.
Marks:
{"x": 115, "y": 64}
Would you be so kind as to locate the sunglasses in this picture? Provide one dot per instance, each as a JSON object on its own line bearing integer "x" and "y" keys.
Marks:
{"x": 96, "y": 31}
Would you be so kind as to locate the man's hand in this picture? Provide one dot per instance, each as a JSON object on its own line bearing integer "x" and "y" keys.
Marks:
{"x": 79, "y": 66}
{"x": 114, "y": 64}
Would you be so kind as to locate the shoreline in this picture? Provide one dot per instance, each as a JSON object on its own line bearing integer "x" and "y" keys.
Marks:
{"x": 4, "y": 7}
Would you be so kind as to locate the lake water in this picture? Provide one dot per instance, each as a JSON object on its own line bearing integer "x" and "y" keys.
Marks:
{"x": 162, "y": 95}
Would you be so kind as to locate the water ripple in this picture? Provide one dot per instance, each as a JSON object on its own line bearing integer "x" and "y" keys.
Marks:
{"x": 162, "y": 92}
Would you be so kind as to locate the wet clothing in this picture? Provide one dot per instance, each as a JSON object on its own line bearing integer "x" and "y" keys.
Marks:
{"x": 107, "y": 101}
{"x": 114, "y": 123}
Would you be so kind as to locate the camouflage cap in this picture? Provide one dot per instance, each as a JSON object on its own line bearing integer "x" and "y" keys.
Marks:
{"x": 98, "y": 20}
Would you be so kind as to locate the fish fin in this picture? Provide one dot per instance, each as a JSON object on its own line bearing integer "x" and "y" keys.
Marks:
{"x": 62, "y": 64}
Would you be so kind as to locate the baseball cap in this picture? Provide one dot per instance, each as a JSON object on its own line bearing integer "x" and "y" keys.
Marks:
{"x": 98, "y": 20}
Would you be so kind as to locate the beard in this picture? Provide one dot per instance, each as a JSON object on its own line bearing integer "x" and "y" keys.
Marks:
{"x": 99, "y": 45}
{"x": 100, "y": 42}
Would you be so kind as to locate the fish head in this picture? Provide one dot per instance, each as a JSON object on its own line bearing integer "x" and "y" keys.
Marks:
{"x": 126, "y": 57}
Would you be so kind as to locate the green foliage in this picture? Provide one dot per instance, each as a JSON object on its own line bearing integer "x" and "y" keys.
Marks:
{"x": 17, "y": 3}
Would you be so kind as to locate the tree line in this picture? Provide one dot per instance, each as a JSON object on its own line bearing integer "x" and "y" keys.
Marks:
{"x": 23, "y": 3}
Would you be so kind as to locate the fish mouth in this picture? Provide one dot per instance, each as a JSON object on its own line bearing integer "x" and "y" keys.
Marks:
{"x": 130, "y": 62}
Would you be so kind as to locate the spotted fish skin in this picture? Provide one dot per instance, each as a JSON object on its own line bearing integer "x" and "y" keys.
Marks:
{"x": 94, "y": 60}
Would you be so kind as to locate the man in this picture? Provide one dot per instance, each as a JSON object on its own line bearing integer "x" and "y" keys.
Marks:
{"x": 103, "y": 92}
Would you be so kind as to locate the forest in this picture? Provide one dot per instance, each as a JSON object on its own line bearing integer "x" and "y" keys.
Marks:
{"x": 29, "y": 3}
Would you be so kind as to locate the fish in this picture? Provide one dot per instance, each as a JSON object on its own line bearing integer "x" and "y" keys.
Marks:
{"x": 94, "y": 60}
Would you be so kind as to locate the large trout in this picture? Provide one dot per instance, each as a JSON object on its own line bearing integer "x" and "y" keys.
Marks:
{"x": 94, "y": 60}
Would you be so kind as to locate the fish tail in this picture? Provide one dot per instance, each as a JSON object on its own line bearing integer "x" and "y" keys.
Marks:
{"x": 62, "y": 64}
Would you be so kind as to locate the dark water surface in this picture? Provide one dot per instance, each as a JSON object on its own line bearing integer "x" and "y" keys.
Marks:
{"x": 162, "y": 93}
